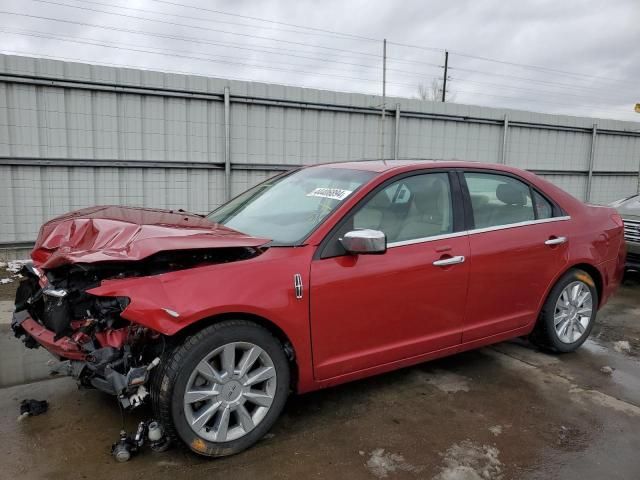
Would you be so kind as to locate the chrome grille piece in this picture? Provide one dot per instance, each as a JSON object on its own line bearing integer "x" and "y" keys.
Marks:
{"x": 632, "y": 230}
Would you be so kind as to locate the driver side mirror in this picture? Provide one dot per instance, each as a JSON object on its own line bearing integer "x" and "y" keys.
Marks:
{"x": 364, "y": 241}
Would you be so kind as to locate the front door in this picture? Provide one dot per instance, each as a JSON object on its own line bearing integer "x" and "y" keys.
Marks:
{"x": 370, "y": 310}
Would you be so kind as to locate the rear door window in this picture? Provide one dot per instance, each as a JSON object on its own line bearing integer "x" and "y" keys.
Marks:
{"x": 544, "y": 208}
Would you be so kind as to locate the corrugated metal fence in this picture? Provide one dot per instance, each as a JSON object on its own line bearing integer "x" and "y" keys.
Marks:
{"x": 73, "y": 135}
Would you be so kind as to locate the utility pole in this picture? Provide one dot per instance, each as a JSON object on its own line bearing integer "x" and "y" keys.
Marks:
{"x": 444, "y": 80}
{"x": 384, "y": 76}
{"x": 384, "y": 95}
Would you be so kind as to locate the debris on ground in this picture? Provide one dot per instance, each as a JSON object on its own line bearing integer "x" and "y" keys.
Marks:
{"x": 607, "y": 370}
{"x": 622, "y": 346}
{"x": 4, "y": 281}
{"x": 31, "y": 407}
{"x": 496, "y": 430}
{"x": 126, "y": 446}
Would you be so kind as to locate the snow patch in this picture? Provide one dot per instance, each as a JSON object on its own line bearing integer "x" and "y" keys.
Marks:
{"x": 607, "y": 370}
{"x": 496, "y": 430}
{"x": 448, "y": 382}
{"x": 622, "y": 346}
{"x": 468, "y": 460}
{"x": 382, "y": 463}
{"x": 14, "y": 266}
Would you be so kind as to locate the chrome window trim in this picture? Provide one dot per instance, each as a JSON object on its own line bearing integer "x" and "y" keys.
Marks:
{"x": 476, "y": 231}
{"x": 427, "y": 239}
{"x": 518, "y": 224}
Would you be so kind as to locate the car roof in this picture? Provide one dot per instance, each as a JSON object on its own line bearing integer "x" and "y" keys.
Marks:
{"x": 383, "y": 165}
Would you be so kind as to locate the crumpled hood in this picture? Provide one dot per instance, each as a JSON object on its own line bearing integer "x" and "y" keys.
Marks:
{"x": 113, "y": 233}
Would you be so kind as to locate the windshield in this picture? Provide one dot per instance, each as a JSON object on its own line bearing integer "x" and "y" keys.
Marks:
{"x": 287, "y": 208}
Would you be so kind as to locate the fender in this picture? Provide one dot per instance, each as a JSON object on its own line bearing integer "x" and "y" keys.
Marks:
{"x": 262, "y": 286}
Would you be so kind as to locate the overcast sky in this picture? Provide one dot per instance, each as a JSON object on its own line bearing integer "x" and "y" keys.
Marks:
{"x": 589, "y": 50}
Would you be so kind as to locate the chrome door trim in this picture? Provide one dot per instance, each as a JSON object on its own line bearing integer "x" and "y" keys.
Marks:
{"x": 476, "y": 231}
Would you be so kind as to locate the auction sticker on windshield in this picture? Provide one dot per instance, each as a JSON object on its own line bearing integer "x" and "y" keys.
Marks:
{"x": 332, "y": 193}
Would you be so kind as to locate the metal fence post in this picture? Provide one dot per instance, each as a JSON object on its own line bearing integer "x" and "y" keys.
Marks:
{"x": 227, "y": 145}
{"x": 396, "y": 138}
{"x": 592, "y": 155}
{"x": 639, "y": 177}
{"x": 503, "y": 155}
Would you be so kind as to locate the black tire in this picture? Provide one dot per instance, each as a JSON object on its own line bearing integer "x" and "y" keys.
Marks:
{"x": 170, "y": 381}
{"x": 544, "y": 334}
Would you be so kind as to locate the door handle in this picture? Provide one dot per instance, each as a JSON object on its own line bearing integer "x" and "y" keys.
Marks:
{"x": 556, "y": 241}
{"x": 449, "y": 261}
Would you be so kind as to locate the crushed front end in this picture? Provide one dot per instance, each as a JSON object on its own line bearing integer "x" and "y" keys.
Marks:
{"x": 65, "y": 302}
{"x": 86, "y": 332}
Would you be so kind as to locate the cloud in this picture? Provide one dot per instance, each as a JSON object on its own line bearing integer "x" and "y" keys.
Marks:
{"x": 597, "y": 39}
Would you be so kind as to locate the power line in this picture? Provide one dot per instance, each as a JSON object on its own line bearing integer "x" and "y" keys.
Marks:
{"x": 350, "y": 35}
{"x": 205, "y": 59}
{"x": 183, "y": 52}
{"x": 408, "y": 45}
{"x": 544, "y": 69}
{"x": 546, "y": 92}
{"x": 528, "y": 79}
{"x": 226, "y": 32}
{"x": 139, "y": 32}
{"x": 515, "y": 64}
{"x": 199, "y": 40}
{"x": 201, "y": 19}
{"x": 178, "y": 24}
{"x": 342, "y": 34}
{"x": 220, "y": 12}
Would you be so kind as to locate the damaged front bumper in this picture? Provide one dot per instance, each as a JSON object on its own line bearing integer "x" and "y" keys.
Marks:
{"x": 92, "y": 342}
{"x": 36, "y": 334}
{"x": 98, "y": 369}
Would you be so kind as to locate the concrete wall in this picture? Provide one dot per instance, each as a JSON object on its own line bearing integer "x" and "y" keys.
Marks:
{"x": 73, "y": 135}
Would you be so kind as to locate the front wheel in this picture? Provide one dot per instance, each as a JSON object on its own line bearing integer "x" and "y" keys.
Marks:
{"x": 568, "y": 314}
{"x": 223, "y": 388}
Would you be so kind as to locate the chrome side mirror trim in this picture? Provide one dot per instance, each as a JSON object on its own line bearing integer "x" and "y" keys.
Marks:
{"x": 366, "y": 241}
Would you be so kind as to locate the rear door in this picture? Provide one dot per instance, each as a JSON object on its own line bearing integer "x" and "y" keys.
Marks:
{"x": 518, "y": 242}
{"x": 371, "y": 310}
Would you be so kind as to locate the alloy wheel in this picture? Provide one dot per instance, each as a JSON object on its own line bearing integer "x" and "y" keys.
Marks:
{"x": 573, "y": 312}
{"x": 230, "y": 392}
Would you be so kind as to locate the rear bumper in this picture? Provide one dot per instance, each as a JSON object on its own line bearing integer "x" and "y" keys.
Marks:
{"x": 63, "y": 347}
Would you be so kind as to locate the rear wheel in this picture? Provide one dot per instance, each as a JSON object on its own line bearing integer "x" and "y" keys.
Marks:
{"x": 223, "y": 388}
{"x": 568, "y": 314}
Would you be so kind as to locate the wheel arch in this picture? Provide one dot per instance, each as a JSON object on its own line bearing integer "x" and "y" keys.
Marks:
{"x": 589, "y": 268}
{"x": 593, "y": 272}
{"x": 265, "y": 323}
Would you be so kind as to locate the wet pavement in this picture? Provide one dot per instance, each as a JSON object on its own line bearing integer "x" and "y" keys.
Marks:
{"x": 503, "y": 412}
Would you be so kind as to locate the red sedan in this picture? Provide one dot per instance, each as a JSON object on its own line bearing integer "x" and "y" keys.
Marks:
{"x": 313, "y": 278}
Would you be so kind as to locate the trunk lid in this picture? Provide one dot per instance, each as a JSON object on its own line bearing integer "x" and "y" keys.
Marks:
{"x": 114, "y": 233}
